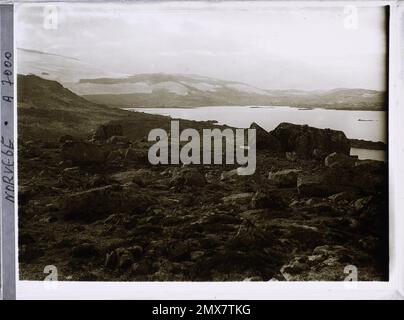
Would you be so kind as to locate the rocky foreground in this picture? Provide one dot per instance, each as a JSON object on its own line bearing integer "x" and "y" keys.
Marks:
{"x": 97, "y": 210}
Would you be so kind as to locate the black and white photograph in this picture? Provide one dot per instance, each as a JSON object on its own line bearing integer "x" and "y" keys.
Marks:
{"x": 202, "y": 141}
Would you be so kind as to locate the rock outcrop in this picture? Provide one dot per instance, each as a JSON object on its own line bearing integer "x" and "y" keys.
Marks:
{"x": 363, "y": 176}
{"x": 95, "y": 203}
{"x": 265, "y": 140}
{"x": 284, "y": 178}
{"x": 316, "y": 185}
{"x": 301, "y": 141}
{"x": 106, "y": 131}
{"x": 309, "y": 142}
{"x": 339, "y": 160}
{"x": 188, "y": 177}
{"x": 118, "y": 140}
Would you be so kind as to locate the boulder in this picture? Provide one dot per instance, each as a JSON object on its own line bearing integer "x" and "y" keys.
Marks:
{"x": 250, "y": 236}
{"x": 373, "y": 166}
{"x": 365, "y": 176}
{"x": 118, "y": 140}
{"x": 339, "y": 160}
{"x": 361, "y": 203}
{"x": 229, "y": 175}
{"x": 315, "y": 185}
{"x": 96, "y": 203}
{"x": 305, "y": 236}
{"x": 196, "y": 255}
{"x": 72, "y": 177}
{"x": 190, "y": 177}
{"x": 309, "y": 142}
{"x": 348, "y": 196}
{"x": 331, "y": 251}
{"x": 295, "y": 267}
{"x": 82, "y": 152}
{"x": 368, "y": 178}
{"x": 106, "y": 131}
{"x": 141, "y": 177}
{"x": 284, "y": 178}
{"x": 265, "y": 140}
{"x": 238, "y": 199}
{"x": 123, "y": 258}
{"x": 262, "y": 200}
{"x": 98, "y": 180}
{"x": 91, "y": 204}
{"x": 136, "y": 155}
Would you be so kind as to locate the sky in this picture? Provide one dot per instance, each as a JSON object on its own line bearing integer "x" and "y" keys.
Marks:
{"x": 267, "y": 46}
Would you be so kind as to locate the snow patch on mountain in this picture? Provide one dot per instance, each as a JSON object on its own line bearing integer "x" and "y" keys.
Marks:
{"x": 246, "y": 88}
{"x": 65, "y": 70}
{"x": 172, "y": 87}
{"x": 202, "y": 86}
{"x": 115, "y": 88}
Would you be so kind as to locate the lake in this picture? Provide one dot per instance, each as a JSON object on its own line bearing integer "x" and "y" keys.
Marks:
{"x": 366, "y": 125}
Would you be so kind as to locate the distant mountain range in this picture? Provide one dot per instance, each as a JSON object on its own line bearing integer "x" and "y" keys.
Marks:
{"x": 182, "y": 90}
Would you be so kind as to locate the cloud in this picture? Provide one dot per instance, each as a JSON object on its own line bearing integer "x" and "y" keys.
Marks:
{"x": 264, "y": 45}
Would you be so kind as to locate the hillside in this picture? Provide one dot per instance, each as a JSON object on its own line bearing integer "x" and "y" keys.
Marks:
{"x": 182, "y": 90}
{"x": 179, "y": 90}
{"x": 47, "y": 110}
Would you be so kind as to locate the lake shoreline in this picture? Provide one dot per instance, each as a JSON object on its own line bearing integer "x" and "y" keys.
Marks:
{"x": 302, "y": 108}
{"x": 220, "y": 117}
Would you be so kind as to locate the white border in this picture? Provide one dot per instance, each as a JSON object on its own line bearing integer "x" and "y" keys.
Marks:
{"x": 206, "y": 290}
{"x": 393, "y": 289}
